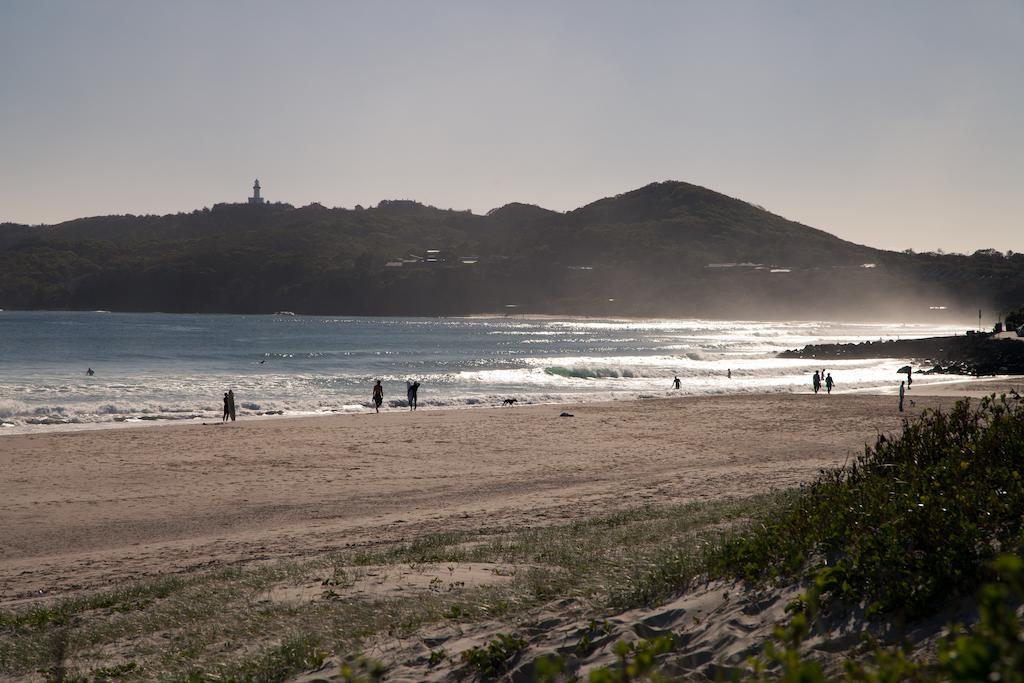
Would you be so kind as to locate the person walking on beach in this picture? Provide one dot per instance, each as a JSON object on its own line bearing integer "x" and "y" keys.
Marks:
{"x": 910, "y": 380}
{"x": 676, "y": 383}
{"x": 227, "y": 408}
{"x": 829, "y": 383}
{"x": 410, "y": 394}
{"x": 728, "y": 373}
{"x": 378, "y": 395}
{"x": 902, "y": 390}
{"x": 231, "y": 404}
{"x": 816, "y": 382}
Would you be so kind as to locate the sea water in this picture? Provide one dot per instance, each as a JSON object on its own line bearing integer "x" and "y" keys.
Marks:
{"x": 152, "y": 367}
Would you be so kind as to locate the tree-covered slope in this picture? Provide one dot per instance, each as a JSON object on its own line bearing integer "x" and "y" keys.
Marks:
{"x": 658, "y": 250}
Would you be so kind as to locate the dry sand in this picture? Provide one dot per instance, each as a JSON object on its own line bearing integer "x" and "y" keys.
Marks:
{"x": 84, "y": 510}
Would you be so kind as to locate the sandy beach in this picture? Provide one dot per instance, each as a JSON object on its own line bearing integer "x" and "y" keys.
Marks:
{"x": 84, "y": 511}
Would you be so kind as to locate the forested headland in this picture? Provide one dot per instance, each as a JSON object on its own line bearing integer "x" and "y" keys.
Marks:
{"x": 667, "y": 249}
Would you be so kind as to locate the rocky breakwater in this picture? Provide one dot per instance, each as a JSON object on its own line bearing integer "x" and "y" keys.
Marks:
{"x": 970, "y": 354}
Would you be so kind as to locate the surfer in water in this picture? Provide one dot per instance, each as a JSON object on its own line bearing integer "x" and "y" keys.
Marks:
{"x": 90, "y": 372}
{"x": 676, "y": 383}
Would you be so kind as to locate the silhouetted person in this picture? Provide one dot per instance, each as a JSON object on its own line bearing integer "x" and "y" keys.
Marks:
{"x": 902, "y": 390}
{"x": 728, "y": 373}
{"x": 829, "y": 383}
{"x": 231, "y": 404}
{"x": 816, "y": 382}
{"x": 227, "y": 408}
{"x": 676, "y": 383}
{"x": 411, "y": 394}
{"x": 910, "y": 380}
{"x": 90, "y": 372}
{"x": 378, "y": 395}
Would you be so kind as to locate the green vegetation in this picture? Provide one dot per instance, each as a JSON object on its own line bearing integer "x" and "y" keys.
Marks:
{"x": 645, "y": 252}
{"x": 992, "y": 650}
{"x": 134, "y": 597}
{"x": 913, "y": 522}
{"x": 495, "y": 657}
{"x": 224, "y": 625}
{"x": 274, "y": 664}
{"x": 637, "y": 661}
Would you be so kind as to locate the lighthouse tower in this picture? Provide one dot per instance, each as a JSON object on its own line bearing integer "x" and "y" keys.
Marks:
{"x": 256, "y": 198}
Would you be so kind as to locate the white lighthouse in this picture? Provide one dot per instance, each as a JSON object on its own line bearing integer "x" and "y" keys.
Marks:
{"x": 256, "y": 198}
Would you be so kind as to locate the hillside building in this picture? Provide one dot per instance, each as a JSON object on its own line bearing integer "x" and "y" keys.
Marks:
{"x": 256, "y": 198}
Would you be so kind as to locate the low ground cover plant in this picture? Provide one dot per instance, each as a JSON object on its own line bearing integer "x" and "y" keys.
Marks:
{"x": 991, "y": 650}
{"x": 495, "y": 657}
{"x": 221, "y": 625}
{"x": 916, "y": 520}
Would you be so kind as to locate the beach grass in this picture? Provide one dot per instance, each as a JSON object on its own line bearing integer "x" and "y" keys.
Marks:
{"x": 225, "y": 624}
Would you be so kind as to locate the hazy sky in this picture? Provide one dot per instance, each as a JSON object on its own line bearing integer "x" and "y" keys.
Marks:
{"x": 894, "y": 124}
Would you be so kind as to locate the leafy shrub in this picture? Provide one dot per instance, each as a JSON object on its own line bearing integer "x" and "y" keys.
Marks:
{"x": 636, "y": 661}
{"x": 495, "y": 657}
{"x": 913, "y": 521}
{"x": 362, "y": 670}
{"x": 993, "y": 650}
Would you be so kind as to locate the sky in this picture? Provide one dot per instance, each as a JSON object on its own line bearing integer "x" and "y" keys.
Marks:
{"x": 893, "y": 124}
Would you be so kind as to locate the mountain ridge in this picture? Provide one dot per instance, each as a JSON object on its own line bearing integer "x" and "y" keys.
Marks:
{"x": 667, "y": 248}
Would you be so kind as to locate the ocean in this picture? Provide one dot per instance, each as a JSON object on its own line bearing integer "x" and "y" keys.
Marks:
{"x": 159, "y": 368}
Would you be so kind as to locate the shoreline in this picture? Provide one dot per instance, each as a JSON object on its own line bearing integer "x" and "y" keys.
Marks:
{"x": 955, "y": 385}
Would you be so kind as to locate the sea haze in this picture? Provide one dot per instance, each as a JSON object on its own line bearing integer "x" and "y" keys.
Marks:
{"x": 156, "y": 367}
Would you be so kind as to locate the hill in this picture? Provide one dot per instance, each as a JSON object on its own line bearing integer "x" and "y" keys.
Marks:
{"x": 668, "y": 248}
